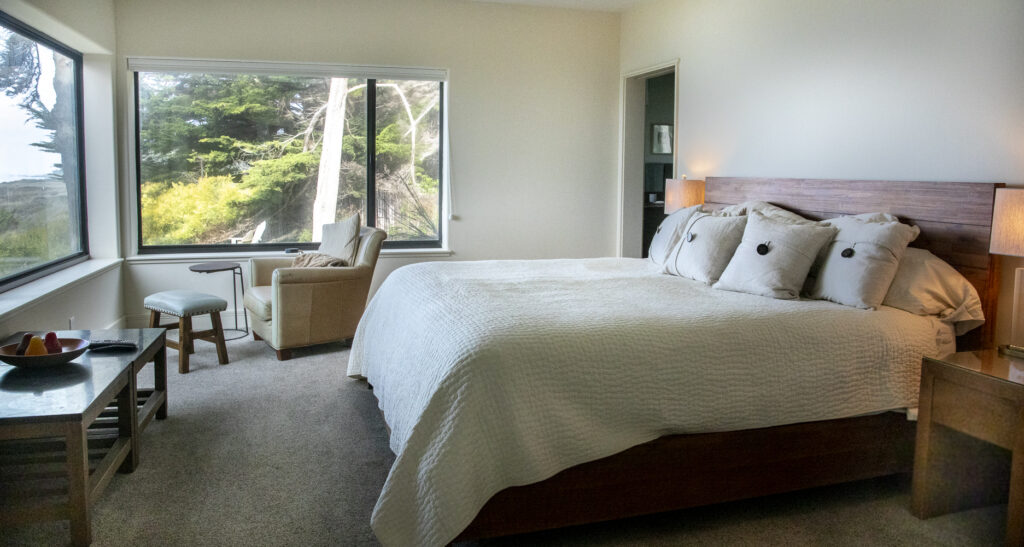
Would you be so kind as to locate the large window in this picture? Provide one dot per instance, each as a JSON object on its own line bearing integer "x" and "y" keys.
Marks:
{"x": 42, "y": 211}
{"x": 260, "y": 156}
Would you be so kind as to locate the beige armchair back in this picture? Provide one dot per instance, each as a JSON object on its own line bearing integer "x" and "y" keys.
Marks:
{"x": 294, "y": 307}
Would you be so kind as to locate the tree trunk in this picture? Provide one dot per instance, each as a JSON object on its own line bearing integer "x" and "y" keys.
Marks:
{"x": 65, "y": 141}
{"x": 325, "y": 205}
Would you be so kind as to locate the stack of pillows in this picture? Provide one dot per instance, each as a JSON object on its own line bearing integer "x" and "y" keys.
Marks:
{"x": 861, "y": 261}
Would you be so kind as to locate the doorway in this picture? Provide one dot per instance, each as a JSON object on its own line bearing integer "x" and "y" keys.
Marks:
{"x": 648, "y": 154}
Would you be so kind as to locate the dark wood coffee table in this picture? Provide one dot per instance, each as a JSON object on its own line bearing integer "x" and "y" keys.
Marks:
{"x": 65, "y": 430}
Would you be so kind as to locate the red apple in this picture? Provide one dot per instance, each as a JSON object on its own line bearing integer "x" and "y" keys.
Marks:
{"x": 51, "y": 343}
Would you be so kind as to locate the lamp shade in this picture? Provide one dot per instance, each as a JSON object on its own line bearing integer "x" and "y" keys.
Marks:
{"x": 1008, "y": 222}
{"x": 682, "y": 193}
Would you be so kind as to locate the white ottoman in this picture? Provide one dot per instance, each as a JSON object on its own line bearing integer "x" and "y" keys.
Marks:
{"x": 184, "y": 304}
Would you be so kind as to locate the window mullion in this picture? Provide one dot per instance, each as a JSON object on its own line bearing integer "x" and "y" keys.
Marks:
{"x": 371, "y": 152}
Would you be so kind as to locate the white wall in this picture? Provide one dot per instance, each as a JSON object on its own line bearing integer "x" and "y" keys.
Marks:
{"x": 95, "y": 301}
{"x": 532, "y": 97}
{"x": 864, "y": 89}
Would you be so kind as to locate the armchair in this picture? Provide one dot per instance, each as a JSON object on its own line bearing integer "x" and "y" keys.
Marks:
{"x": 295, "y": 307}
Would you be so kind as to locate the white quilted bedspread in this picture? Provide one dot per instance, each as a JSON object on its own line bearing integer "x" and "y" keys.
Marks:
{"x": 501, "y": 373}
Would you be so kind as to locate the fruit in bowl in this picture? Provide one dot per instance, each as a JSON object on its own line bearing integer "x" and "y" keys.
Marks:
{"x": 35, "y": 347}
{"x": 49, "y": 350}
{"x": 52, "y": 343}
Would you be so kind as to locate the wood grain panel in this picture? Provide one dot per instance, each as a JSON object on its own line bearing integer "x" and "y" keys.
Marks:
{"x": 977, "y": 413}
{"x": 949, "y": 202}
{"x": 680, "y": 471}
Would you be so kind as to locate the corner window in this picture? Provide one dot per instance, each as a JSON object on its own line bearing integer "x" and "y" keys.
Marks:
{"x": 260, "y": 156}
{"x": 42, "y": 181}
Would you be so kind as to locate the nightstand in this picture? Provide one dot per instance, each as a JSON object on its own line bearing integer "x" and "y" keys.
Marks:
{"x": 970, "y": 437}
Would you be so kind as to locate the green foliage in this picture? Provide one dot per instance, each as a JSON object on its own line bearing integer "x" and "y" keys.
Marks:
{"x": 181, "y": 213}
{"x": 270, "y": 181}
{"x": 36, "y": 242}
{"x": 392, "y": 149}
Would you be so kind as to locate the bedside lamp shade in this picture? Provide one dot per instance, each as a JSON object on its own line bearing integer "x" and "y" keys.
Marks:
{"x": 1007, "y": 222}
{"x": 1008, "y": 239}
{"x": 682, "y": 193}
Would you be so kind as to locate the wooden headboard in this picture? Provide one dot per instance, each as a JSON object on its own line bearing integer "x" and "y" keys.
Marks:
{"x": 955, "y": 219}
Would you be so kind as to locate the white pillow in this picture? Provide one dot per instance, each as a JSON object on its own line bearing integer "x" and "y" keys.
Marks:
{"x": 705, "y": 247}
{"x": 774, "y": 257}
{"x": 341, "y": 239}
{"x": 857, "y": 268}
{"x": 926, "y": 285}
{"x": 668, "y": 234}
{"x": 763, "y": 207}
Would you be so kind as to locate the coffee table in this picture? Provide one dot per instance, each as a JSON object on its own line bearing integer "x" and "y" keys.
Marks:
{"x": 64, "y": 430}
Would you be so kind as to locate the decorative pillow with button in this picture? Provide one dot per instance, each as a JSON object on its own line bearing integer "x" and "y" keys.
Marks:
{"x": 341, "y": 239}
{"x": 705, "y": 247}
{"x": 667, "y": 236}
{"x": 774, "y": 256}
{"x": 858, "y": 267}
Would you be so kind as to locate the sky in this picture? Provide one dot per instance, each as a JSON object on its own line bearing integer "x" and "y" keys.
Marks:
{"x": 18, "y": 158}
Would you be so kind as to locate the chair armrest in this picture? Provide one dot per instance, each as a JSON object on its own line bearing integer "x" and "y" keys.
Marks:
{"x": 319, "y": 275}
{"x": 262, "y": 269}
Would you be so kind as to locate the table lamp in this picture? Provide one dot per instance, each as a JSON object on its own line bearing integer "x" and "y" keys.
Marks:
{"x": 1008, "y": 239}
{"x": 682, "y": 193}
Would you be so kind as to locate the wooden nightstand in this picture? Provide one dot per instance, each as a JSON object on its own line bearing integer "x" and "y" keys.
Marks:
{"x": 970, "y": 437}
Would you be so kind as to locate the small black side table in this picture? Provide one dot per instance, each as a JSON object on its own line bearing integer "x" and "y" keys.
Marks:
{"x": 236, "y": 283}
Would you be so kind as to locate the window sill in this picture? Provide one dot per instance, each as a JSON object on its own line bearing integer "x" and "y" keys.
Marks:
{"x": 413, "y": 253}
{"x": 34, "y": 292}
{"x": 241, "y": 256}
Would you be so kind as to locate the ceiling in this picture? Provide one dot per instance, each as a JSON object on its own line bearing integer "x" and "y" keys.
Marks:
{"x": 594, "y": 5}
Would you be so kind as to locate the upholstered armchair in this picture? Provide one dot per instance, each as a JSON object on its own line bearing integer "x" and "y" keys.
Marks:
{"x": 295, "y": 307}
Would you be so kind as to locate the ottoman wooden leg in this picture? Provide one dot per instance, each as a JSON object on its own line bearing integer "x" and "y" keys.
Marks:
{"x": 191, "y": 339}
{"x": 154, "y": 319}
{"x": 218, "y": 336}
{"x": 184, "y": 341}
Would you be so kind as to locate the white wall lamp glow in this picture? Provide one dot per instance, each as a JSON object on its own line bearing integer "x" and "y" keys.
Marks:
{"x": 682, "y": 193}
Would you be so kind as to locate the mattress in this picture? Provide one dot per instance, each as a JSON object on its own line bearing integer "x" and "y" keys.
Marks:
{"x": 501, "y": 373}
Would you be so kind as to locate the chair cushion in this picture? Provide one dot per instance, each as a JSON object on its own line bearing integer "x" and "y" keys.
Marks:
{"x": 257, "y": 301}
{"x": 341, "y": 239}
{"x": 182, "y": 303}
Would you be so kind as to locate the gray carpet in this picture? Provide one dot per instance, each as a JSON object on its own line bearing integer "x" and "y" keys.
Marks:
{"x": 261, "y": 452}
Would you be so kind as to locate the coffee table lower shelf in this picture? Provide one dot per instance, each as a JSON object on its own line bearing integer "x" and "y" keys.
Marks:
{"x": 34, "y": 483}
{"x": 54, "y": 466}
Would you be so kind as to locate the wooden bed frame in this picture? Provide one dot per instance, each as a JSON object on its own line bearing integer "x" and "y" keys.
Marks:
{"x": 680, "y": 471}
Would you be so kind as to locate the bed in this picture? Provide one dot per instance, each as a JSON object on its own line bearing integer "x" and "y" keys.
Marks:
{"x": 498, "y": 429}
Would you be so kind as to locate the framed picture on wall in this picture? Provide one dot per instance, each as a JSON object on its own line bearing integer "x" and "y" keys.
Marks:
{"x": 661, "y": 138}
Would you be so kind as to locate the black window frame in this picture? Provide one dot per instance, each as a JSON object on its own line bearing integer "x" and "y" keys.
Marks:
{"x": 370, "y": 211}
{"x": 47, "y": 268}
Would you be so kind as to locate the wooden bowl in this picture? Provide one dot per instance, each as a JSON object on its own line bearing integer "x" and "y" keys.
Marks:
{"x": 73, "y": 347}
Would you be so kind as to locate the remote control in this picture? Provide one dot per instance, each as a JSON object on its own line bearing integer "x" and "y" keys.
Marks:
{"x": 112, "y": 344}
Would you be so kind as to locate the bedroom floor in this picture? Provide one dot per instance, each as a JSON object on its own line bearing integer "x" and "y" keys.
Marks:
{"x": 263, "y": 452}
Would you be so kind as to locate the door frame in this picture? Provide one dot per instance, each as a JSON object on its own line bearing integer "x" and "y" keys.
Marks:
{"x": 632, "y": 99}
